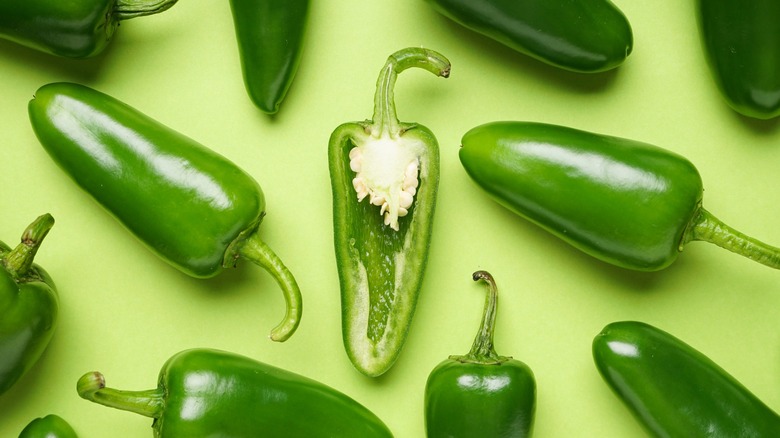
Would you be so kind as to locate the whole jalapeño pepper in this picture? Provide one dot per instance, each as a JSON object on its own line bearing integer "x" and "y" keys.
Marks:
{"x": 627, "y": 203}
{"x": 673, "y": 389}
{"x": 50, "y": 426}
{"x": 585, "y": 36}
{"x": 270, "y": 38}
{"x": 741, "y": 41}
{"x": 28, "y": 304}
{"x": 481, "y": 394}
{"x": 191, "y": 206}
{"x": 384, "y": 177}
{"x": 74, "y": 28}
{"x": 206, "y": 393}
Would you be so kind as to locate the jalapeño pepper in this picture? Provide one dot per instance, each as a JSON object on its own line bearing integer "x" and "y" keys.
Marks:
{"x": 50, "y": 426}
{"x": 673, "y": 389}
{"x": 74, "y": 28}
{"x": 28, "y": 304}
{"x": 481, "y": 394}
{"x": 208, "y": 393}
{"x": 384, "y": 177}
{"x": 191, "y": 206}
{"x": 628, "y": 203}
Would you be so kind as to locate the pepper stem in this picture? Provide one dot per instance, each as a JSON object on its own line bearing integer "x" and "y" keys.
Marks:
{"x": 92, "y": 387}
{"x": 708, "y": 228}
{"x": 385, "y": 119}
{"x": 483, "y": 350}
{"x": 19, "y": 260}
{"x": 127, "y": 9}
{"x": 255, "y": 250}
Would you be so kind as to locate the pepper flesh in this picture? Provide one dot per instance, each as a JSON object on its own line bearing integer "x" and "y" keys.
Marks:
{"x": 270, "y": 38}
{"x": 28, "y": 304}
{"x": 741, "y": 41}
{"x": 50, "y": 426}
{"x": 381, "y": 255}
{"x": 481, "y": 394}
{"x": 585, "y": 36}
{"x": 627, "y": 203}
{"x": 205, "y": 392}
{"x": 74, "y": 28}
{"x": 673, "y": 389}
{"x": 191, "y": 206}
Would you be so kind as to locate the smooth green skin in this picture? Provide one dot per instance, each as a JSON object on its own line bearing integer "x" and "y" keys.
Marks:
{"x": 73, "y": 28}
{"x": 674, "y": 390}
{"x": 741, "y": 41}
{"x": 29, "y": 307}
{"x": 270, "y": 36}
{"x": 585, "y": 36}
{"x": 206, "y": 393}
{"x": 371, "y": 257}
{"x": 624, "y": 202}
{"x": 480, "y": 394}
{"x": 191, "y": 206}
{"x": 50, "y": 426}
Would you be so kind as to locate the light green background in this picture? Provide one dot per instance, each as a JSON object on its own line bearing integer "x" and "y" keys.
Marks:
{"x": 124, "y": 312}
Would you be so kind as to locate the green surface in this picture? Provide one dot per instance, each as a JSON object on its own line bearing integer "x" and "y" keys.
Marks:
{"x": 124, "y": 311}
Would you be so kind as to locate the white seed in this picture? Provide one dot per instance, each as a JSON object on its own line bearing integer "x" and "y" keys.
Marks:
{"x": 377, "y": 200}
{"x": 405, "y": 199}
{"x": 355, "y": 152}
{"x": 384, "y": 208}
{"x": 402, "y": 212}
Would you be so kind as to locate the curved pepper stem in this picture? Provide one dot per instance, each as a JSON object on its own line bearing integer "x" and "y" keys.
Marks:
{"x": 708, "y": 228}
{"x": 19, "y": 260}
{"x": 92, "y": 387}
{"x": 127, "y": 9}
{"x": 483, "y": 351}
{"x": 385, "y": 119}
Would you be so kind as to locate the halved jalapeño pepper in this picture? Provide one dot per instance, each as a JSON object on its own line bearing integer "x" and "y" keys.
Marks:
{"x": 384, "y": 177}
{"x": 628, "y": 203}
{"x": 191, "y": 206}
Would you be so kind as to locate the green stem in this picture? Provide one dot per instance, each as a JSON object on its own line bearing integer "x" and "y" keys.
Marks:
{"x": 255, "y": 250}
{"x": 149, "y": 403}
{"x": 483, "y": 351}
{"x": 708, "y": 228}
{"x": 19, "y": 260}
{"x": 127, "y": 9}
{"x": 385, "y": 120}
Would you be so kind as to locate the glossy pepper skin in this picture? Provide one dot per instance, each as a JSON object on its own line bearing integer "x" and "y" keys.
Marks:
{"x": 205, "y": 393}
{"x": 585, "y": 36}
{"x": 29, "y": 304}
{"x": 384, "y": 177}
{"x": 673, "y": 389}
{"x": 628, "y": 203}
{"x": 191, "y": 206}
{"x": 50, "y": 426}
{"x": 481, "y": 394}
{"x": 74, "y": 28}
{"x": 741, "y": 41}
{"x": 270, "y": 35}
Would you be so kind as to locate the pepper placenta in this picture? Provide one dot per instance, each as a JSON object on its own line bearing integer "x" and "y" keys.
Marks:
{"x": 481, "y": 394}
{"x": 29, "y": 304}
{"x": 191, "y": 206}
{"x": 585, "y": 36}
{"x": 74, "y": 28}
{"x": 673, "y": 389}
{"x": 204, "y": 392}
{"x": 270, "y": 38}
{"x": 625, "y": 202}
{"x": 741, "y": 41}
{"x": 50, "y": 426}
{"x": 384, "y": 177}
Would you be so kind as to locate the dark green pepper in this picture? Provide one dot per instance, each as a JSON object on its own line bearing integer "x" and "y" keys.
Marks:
{"x": 585, "y": 36}
{"x": 50, "y": 426}
{"x": 28, "y": 304}
{"x": 628, "y": 203}
{"x": 382, "y": 244}
{"x": 673, "y": 389}
{"x": 481, "y": 394}
{"x": 741, "y": 41}
{"x": 191, "y": 206}
{"x": 204, "y": 393}
{"x": 74, "y": 28}
{"x": 270, "y": 37}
